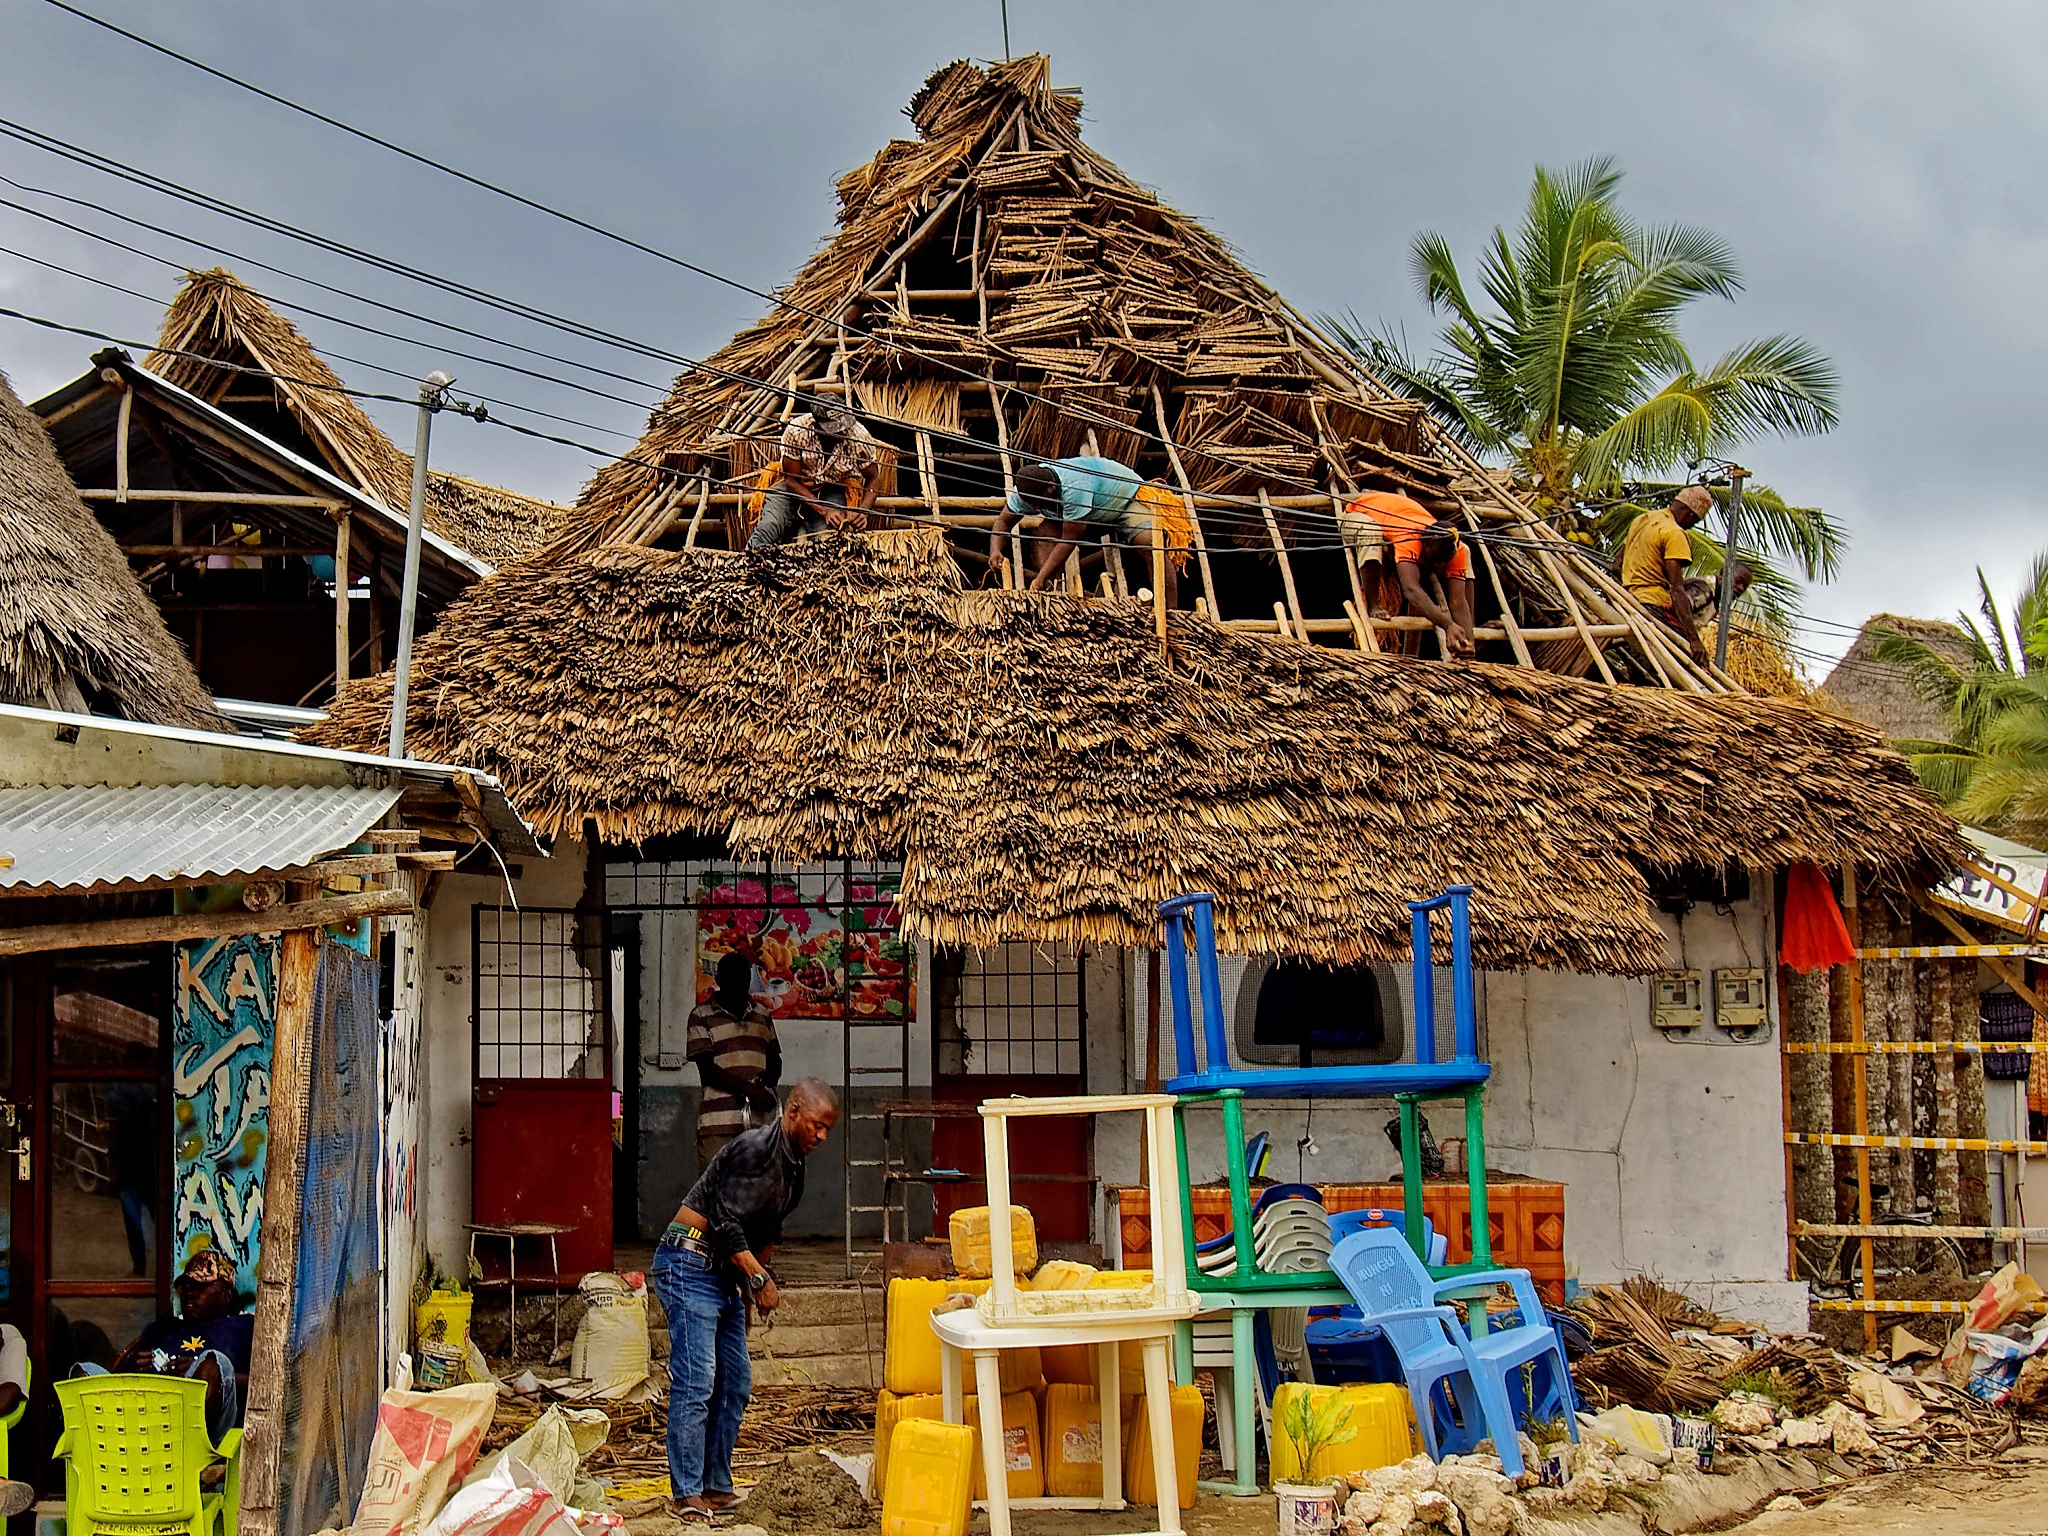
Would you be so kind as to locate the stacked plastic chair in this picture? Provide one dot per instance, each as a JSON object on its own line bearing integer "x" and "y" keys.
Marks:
{"x": 1234, "y": 1275}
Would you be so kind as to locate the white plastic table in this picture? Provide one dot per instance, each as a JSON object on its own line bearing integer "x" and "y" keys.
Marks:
{"x": 964, "y": 1332}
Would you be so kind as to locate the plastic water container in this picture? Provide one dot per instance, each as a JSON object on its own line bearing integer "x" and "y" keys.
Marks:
{"x": 1073, "y": 1441}
{"x": 1377, "y": 1414}
{"x": 1022, "y": 1447}
{"x": 1071, "y": 1364}
{"x": 443, "y": 1318}
{"x": 930, "y": 1470}
{"x": 1139, "y": 1484}
{"x": 910, "y": 1349}
{"x": 968, "y": 1231}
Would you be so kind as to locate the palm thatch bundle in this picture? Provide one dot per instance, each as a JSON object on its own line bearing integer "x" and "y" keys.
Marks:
{"x": 1045, "y": 771}
{"x": 77, "y": 632}
{"x": 997, "y": 288}
{"x": 216, "y": 315}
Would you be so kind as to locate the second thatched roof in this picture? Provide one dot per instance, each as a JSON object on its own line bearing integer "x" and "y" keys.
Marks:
{"x": 77, "y": 632}
{"x": 1046, "y": 773}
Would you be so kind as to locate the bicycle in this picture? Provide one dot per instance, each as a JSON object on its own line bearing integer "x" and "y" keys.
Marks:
{"x": 1834, "y": 1265}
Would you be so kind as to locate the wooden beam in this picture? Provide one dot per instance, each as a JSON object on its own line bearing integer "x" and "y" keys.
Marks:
{"x": 226, "y": 498}
{"x": 183, "y": 552}
{"x": 277, "y": 1263}
{"x": 353, "y": 864}
{"x": 2013, "y": 976}
{"x": 341, "y": 533}
{"x": 127, "y": 411}
{"x": 201, "y": 925}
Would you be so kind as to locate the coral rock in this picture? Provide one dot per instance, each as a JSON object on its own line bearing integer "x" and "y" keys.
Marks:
{"x": 1744, "y": 1414}
{"x": 1849, "y": 1431}
{"x": 1435, "y": 1508}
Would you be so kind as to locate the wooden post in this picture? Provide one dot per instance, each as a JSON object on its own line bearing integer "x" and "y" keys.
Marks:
{"x": 121, "y": 442}
{"x": 1860, "y": 1103}
{"x": 1187, "y": 493}
{"x": 1286, "y": 566}
{"x": 341, "y": 579}
{"x": 277, "y": 1264}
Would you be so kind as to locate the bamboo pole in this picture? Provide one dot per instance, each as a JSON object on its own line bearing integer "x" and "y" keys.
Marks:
{"x": 1286, "y": 565}
{"x": 1187, "y": 493}
{"x": 1866, "y": 1250}
{"x": 1013, "y": 567}
{"x": 1571, "y": 608}
{"x": 341, "y": 579}
{"x": 697, "y": 517}
{"x": 1358, "y": 607}
{"x": 1507, "y": 608}
{"x": 284, "y": 1176}
{"x": 121, "y": 420}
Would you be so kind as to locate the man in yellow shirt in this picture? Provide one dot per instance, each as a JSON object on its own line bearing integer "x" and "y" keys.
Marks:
{"x": 1654, "y": 557}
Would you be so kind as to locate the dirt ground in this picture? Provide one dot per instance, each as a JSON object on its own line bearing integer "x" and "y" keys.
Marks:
{"x": 2008, "y": 1498}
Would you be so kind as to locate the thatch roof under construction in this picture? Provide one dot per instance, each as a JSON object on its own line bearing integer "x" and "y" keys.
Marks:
{"x": 997, "y": 288}
{"x": 76, "y": 630}
{"x": 218, "y": 316}
{"x": 1881, "y": 693}
{"x": 1045, "y": 772}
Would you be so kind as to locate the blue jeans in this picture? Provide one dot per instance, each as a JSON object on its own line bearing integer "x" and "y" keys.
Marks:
{"x": 709, "y": 1378}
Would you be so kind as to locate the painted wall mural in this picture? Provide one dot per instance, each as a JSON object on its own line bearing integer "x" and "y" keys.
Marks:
{"x": 222, "y": 1030}
{"x": 825, "y": 939}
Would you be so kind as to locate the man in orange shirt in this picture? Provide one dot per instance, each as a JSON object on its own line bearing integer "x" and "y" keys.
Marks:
{"x": 1417, "y": 545}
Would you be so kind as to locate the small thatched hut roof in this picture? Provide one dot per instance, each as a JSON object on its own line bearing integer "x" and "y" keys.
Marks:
{"x": 1881, "y": 693}
{"x": 76, "y": 630}
{"x": 1046, "y": 773}
{"x": 219, "y": 316}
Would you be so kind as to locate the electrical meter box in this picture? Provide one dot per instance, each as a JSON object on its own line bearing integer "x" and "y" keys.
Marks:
{"x": 1677, "y": 1004}
{"x": 1740, "y": 1004}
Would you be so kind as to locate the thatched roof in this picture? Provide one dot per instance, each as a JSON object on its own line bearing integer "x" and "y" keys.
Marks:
{"x": 1045, "y": 773}
{"x": 218, "y": 315}
{"x": 1881, "y": 693}
{"x": 76, "y": 630}
{"x": 1027, "y": 259}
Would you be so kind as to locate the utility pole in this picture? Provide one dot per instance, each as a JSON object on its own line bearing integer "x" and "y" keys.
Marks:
{"x": 431, "y": 391}
{"x": 1736, "y": 475}
{"x": 1006, "y": 29}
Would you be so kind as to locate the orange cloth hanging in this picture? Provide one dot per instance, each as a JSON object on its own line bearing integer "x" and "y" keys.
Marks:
{"x": 1815, "y": 935}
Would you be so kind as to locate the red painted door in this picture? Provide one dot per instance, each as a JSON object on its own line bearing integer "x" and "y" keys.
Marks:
{"x": 1010, "y": 1020}
{"x": 542, "y": 1092}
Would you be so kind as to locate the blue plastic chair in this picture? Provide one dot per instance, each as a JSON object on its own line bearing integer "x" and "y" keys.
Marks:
{"x": 1458, "y": 1384}
{"x": 1342, "y": 1346}
{"x": 1344, "y": 1223}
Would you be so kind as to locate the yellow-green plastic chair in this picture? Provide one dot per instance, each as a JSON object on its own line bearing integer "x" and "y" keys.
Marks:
{"x": 134, "y": 1447}
{"x": 28, "y": 1377}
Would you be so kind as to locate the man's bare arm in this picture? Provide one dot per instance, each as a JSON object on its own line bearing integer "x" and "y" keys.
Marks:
{"x": 1419, "y": 600}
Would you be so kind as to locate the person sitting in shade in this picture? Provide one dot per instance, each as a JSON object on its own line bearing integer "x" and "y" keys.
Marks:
{"x": 1419, "y": 548}
{"x": 1654, "y": 556}
{"x": 210, "y": 1339}
{"x": 1078, "y": 501}
{"x": 830, "y": 477}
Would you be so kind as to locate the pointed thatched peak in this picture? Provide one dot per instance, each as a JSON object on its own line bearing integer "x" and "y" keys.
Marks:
{"x": 219, "y": 316}
{"x": 77, "y": 632}
{"x": 996, "y": 290}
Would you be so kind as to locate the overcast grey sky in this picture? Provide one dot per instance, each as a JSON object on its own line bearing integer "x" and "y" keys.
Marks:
{"x": 1876, "y": 165}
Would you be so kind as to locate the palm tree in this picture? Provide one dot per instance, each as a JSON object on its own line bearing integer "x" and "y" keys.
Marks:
{"x": 1577, "y": 376}
{"x": 1992, "y": 771}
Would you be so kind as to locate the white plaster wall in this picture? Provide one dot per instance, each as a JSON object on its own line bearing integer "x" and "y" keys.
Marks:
{"x": 445, "y": 1104}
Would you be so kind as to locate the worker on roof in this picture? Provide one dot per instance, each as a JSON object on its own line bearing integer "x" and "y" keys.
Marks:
{"x": 1654, "y": 557}
{"x": 829, "y": 476}
{"x": 1077, "y": 501}
{"x": 1420, "y": 566}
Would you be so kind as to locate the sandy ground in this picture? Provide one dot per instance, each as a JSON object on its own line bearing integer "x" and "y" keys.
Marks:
{"x": 2008, "y": 1498}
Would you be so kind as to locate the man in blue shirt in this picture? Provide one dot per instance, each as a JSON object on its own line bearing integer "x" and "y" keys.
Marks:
{"x": 1079, "y": 500}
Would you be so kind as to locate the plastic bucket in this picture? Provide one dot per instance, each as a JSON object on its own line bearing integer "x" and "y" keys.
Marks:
{"x": 443, "y": 1318}
{"x": 1305, "y": 1509}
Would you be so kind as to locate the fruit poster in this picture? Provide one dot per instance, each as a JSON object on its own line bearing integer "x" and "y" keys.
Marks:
{"x": 824, "y": 939}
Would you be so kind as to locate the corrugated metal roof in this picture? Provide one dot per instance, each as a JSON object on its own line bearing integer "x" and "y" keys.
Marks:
{"x": 74, "y": 837}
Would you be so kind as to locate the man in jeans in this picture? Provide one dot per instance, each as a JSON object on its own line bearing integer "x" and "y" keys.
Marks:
{"x": 830, "y": 477}
{"x": 711, "y": 1262}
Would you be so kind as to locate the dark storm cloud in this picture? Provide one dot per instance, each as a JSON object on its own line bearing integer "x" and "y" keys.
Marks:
{"x": 1874, "y": 165}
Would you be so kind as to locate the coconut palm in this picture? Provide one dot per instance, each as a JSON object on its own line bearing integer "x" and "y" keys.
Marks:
{"x": 1577, "y": 377}
{"x": 1992, "y": 770}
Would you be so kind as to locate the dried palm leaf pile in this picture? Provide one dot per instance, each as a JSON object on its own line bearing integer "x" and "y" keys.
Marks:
{"x": 1046, "y": 772}
{"x": 216, "y": 315}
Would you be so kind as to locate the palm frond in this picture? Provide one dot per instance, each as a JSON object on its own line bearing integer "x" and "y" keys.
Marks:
{"x": 1776, "y": 384}
{"x": 1988, "y": 606}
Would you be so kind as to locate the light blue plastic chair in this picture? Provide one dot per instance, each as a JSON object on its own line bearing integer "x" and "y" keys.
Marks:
{"x": 1458, "y": 1384}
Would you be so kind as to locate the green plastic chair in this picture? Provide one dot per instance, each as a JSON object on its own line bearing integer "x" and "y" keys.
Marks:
{"x": 28, "y": 1379}
{"x": 133, "y": 1449}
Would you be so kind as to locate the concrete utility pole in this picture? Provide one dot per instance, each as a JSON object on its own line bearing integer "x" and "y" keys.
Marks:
{"x": 1736, "y": 475}
{"x": 430, "y": 401}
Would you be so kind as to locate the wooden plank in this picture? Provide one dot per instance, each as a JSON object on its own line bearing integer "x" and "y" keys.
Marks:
{"x": 201, "y": 925}
{"x": 284, "y": 1178}
{"x": 341, "y": 652}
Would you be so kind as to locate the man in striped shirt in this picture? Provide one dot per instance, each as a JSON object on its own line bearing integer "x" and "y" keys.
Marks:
{"x": 732, "y": 1040}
